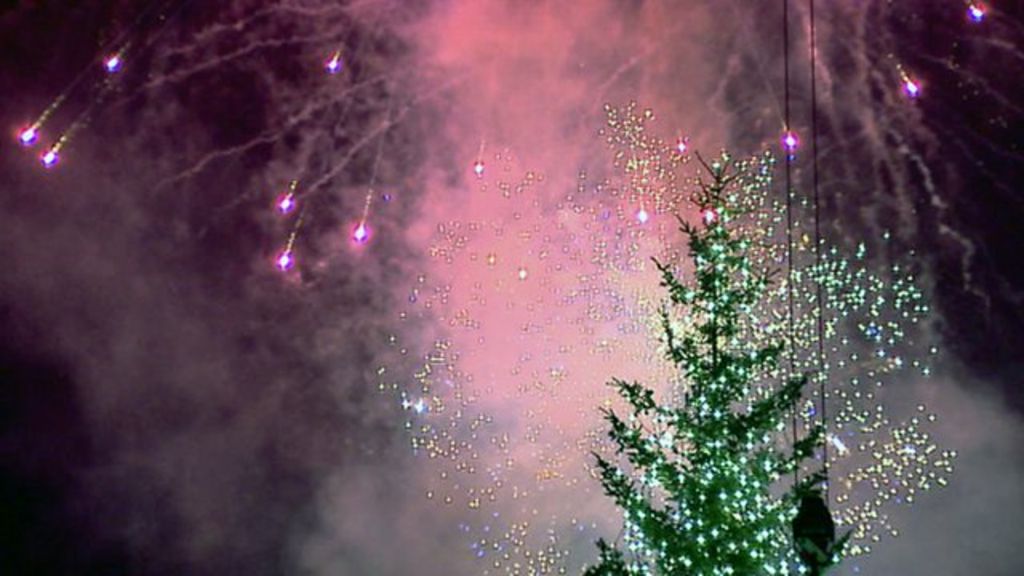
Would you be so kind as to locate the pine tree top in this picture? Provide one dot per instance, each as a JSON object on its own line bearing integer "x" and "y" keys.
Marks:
{"x": 696, "y": 487}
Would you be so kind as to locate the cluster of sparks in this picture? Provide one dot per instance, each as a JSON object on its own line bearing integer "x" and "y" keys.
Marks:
{"x": 543, "y": 306}
{"x": 113, "y": 61}
{"x": 97, "y": 82}
{"x": 95, "y": 91}
{"x": 906, "y": 82}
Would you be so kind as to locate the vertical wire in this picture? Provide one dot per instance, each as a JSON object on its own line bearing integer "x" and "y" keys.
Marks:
{"x": 789, "y": 222}
{"x": 817, "y": 247}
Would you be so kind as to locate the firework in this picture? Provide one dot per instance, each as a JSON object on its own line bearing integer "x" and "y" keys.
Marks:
{"x": 286, "y": 202}
{"x": 544, "y": 305}
{"x": 28, "y": 136}
{"x": 976, "y": 12}
{"x": 333, "y": 64}
{"x": 50, "y": 158}
{"x": 113, "y": 63}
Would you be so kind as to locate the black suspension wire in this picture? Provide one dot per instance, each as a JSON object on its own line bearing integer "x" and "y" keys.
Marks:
{"x": 789, "y": 218}
{"x": 823, "y": 409}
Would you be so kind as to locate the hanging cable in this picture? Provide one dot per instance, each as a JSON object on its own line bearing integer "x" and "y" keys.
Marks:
{"x": 789, "y": 217}
{"x": 817, "y": 246}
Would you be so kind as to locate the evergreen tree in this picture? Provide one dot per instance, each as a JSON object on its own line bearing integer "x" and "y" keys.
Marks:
{"x": 698, "y": 488}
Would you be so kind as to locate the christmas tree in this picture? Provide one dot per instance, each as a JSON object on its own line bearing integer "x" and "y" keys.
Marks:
{"x": 699, "y": 488}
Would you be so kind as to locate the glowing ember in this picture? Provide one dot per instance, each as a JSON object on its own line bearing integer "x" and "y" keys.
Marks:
{"x": 50, "y": 159}
{"x": 286, "y": 204}
{"x": 113, "y": 64}
{"x": 478, "y": 168}
{"x": 911, "y": 88}
{"x": 790, "y": 141}
{"x": 28, "y": 136}
{"x": 285, "y": 261}
{"x": 333, "y": 66}
{"x": 361, "y": 234}
{"x": 976, "y": 12}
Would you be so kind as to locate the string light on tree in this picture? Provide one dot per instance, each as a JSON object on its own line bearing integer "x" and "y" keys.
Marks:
{"x": 710, "y": 215}
{"x": 682, "y": 144}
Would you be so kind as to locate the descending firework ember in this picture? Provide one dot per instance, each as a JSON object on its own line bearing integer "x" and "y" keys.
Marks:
{"x": 478, "y": 168}
{"x": 790, "y": 142}
{"x": 50, "y": 158}
{"x": 285, "y": 260}
{"x": 113, "y": 63}
{"x": 682, "y": 145}
{"x": 911, "y": 88}
{"x": 286, "y": 202}
{"x": 976, "y": 12}
{"x": 361, "y": 233}
{"x": 642, "y": 216}
{"x": 28, "y": 136}
{"x": 333, "y": 66}
{"x": 512, "y": 384}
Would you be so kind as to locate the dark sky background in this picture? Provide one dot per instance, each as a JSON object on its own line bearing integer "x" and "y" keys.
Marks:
{"x": 172, "y": 404}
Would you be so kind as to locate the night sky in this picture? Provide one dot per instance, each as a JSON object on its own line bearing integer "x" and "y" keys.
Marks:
{"x": 173, "y": 403}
